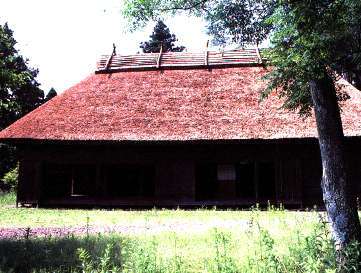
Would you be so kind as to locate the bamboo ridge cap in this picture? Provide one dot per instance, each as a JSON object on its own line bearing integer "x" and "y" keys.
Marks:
{"x": 163, "y": 60}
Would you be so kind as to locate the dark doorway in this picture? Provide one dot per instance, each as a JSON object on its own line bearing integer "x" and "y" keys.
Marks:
{"x": 83, "y": 182}
{"x": 206, "y": 181}
{"x": 245, "y": 184}
{"x": 266, "y": 180}
{"x": 57, "y": 180}
{"x": 256, "y": 180}
{"x": 130, "y": 180}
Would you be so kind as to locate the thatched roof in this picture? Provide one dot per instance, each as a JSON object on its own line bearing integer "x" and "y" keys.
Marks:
{"x": 209, "y": 103}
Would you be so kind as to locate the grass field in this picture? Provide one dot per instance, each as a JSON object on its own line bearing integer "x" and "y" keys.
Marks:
{"x": 63, "y": 240}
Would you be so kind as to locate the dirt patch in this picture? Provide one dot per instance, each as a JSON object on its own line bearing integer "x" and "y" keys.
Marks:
{"x": 149, "y": 228}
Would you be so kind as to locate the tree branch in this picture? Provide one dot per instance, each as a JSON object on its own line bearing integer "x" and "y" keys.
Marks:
{"x": 192, "y": 6}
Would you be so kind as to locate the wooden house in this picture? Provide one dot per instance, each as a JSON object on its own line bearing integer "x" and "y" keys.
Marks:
{"x": 174, "y": 129}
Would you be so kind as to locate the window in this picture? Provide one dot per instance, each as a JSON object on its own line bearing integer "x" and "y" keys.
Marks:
{"x": 226, "y": 172}
{"x": 62, "y": 180}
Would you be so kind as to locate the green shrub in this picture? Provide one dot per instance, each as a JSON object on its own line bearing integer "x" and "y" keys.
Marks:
{"x": 312, "y": 253}
{"x": 7, "y": 199}
{"x": 93, "y": 254}
{"x": 106, "y": 263}
{"x": 10, "y": 179}
{"x": 350, "y": 258}
{"x": 223, "y": 261}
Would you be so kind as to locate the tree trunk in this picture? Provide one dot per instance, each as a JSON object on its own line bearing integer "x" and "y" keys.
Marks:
{"x": 339, "y": 200}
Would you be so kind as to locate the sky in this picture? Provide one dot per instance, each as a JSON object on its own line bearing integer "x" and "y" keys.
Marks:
{"x": 64, "y": 38}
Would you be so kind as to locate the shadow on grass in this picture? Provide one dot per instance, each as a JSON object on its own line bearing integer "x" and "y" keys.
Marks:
{"x": 50, "y": 253}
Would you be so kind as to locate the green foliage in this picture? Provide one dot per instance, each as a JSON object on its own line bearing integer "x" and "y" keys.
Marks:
{"x": 351, "y": 258}
{"x": 311, "y": 39}
{"x": 161, "y": 36}
{"x": 143, "y": 256}
{"x": 7, "y": 199}
{"x": 267, "y": 259}
{"x": 312, "y": 253}
{"x": 10, "y": 179}
{"x": 106, "y": 263}
{"x": 139, "y": 12}
{"x": 198, "y": 241}
{"x": 7, "y": 158}
{"x": 68, "y": 254}
{"x": 241, "y": 21}
{"x": 294, "y": 248}
{"x": 223, "y": 261}
{"x": 19, "y": 91}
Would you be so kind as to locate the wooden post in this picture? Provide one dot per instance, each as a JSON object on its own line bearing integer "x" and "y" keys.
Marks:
{"x": 160, "y": 56}
{"x": 72, "y": 181}
{"x": 278, "y": 173}
{"x": 255, "y": 180}
{"x": 98, "y": 181}
{"x": 37, "y": 184}
{"x": 109, "y": 61}
{"x": 259, "y": 57}
{"x": 206, "y": 54}
{"x": 114, "y": 50}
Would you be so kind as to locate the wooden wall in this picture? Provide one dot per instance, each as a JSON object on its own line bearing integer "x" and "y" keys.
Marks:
{"x": 296, "y": 164}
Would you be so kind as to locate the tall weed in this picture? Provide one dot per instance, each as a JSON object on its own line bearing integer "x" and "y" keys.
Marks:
{"x": 259, "y": 248}
{"x": 105, "y": 263}
{"x": 223, "y": 260}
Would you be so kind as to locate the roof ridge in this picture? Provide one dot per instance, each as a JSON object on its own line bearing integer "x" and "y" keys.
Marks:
{"x": 178, "y": 60}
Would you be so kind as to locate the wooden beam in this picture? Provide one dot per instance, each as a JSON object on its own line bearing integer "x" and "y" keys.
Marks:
{"x": 107, "y": 65}
{"x": 159, "y": 60}
{"x": 259, "y": 55}
{"x": 109, "y": 61}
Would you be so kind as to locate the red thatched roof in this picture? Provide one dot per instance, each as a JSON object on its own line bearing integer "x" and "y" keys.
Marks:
{"x": 176, "y": 104}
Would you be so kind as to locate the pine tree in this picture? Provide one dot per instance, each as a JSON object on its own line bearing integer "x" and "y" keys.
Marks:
{"x": 51, "y": 94}
{"x": 161, "y": 36}
{"x": 19, "y": 91}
